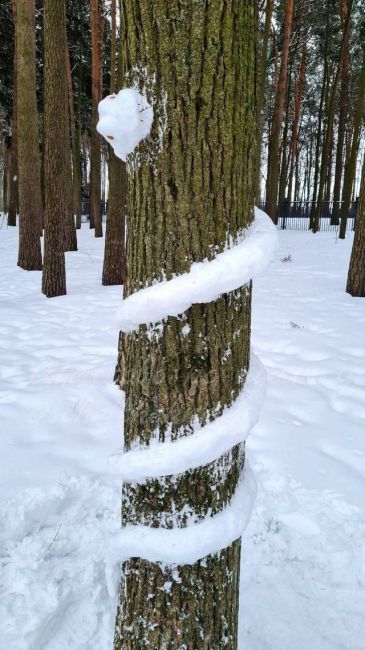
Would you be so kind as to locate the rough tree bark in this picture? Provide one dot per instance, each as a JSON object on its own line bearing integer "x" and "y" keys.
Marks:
{"x": 114, "y": 267}
{"x": 273, "y": 164}
{"x": 30, "y": 202}
{"x": 56, "y": 141}
{"x": 97, "y": 18}
{"x": 192, "y": 190}
{"x": 356, "y": 275}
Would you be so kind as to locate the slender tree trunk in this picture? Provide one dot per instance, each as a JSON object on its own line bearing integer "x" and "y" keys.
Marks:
{"x": 274, "y": 143}
{"x": 56, "y": 136}
{"x": 114, "y": 268}
{"x": 13, "y": 158}
{"x": 327, "y": 140}
{"x": 285, "y": 153}
{"x": 356, "y": 275}
{"x": 295, "y": 126}
{"x": 70, "y": 228}
{"x": 30, "y": 203}
{"x": 5, "y": 188}
{"x": 75, "y": 142}
{"x": 351, "y": 165}
{"x": 261, "y": 86}
{"x": 186, "y": 197}
{"x": 342, "y": 116}
{"x": 96, "y": 14}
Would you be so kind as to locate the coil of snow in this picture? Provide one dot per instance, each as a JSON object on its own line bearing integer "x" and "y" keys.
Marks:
{"x": 184, "y": 545}
{"x": 206, "y": 444}
{"x": 124, "y": 120}
{"x": 205, "y": 281}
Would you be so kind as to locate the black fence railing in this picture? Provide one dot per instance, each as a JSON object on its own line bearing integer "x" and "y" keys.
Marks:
{"x": 297, "y": 215}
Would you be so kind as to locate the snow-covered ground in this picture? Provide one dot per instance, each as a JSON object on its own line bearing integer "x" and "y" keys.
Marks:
{"x": 303, "y": 571}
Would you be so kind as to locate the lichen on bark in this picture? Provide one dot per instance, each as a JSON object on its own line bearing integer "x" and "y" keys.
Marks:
{"x": 190, "y": 191}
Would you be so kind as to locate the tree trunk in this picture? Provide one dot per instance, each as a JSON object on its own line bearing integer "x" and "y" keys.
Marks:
{"x": 114, "y": 268}
{"x": 56, "y": 137}
{"x": 356, "y": 275}
{"x": 342, "y": 116}
{"x": 274, "y": 143}
{"x": 327, "y": 140}
{"x": 351, "y": 165}
{"x": 261, "y": 86}
{"x": 13, "y": 158}
{"x": 96, "y": 14}
{"x": 70, "y": 242}
{"x": 191, "y": 192}
{"x": 30, "y": 202}
{"x": 295, "y": 126}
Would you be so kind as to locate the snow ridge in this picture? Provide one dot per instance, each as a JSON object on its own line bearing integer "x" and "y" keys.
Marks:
{"x": 205, "y": 281}
{"x": 184, "y": 545}
{"x": 206, "y": 443}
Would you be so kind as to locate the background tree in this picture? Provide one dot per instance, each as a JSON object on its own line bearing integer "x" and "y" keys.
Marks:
{"x": 56, "y": 137}
{"x": 114, "y": 268}
{"x": 186, "y": 196}
{"x": 97, "y": 20}
{"x": 30, "y": 202}
{"x": 356, "y": 275}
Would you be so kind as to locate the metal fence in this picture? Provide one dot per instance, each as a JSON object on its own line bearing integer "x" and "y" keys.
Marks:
{"x": 297, "y": 215}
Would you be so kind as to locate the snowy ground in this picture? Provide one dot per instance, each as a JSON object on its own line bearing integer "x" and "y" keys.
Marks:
{"x": 303, "y": 573}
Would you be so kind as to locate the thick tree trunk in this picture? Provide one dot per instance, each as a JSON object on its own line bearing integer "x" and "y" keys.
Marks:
{"x": 356, "y": 275}
{"x": 96, "y": 14}
{"x": 191, "y": 192}
{"x": 274, "y": 143}
{"x": 56, "y": 136}
{"x": 30, "y": 202}
{"x": 114, "y": 268}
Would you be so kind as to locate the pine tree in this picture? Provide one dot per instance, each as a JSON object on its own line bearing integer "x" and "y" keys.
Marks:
{"x": 114, "y": 268}
{"x": 192, "y": 188}
{"x": 356, "y": 275}
{"x": 30, "y": 202}
{"x": 13, "y": 161}
{"x": 56, "y": 138}
{"x": 96, "y": 15}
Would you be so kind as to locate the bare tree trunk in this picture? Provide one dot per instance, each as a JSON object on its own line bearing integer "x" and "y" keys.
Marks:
{"x": 56, "y": 137}
{"x": 13, "y": 158}
{"x": 295, "y": 126}
{"x": 274, "y": 143}
{"x": 30, "y": 202}
{"x": 186, "y": 196}
{"x": 96, "y": 14}
{"x": 351, "y": 165}
{"x": 342, "y": 116}
{"x": 261, "y": 86}
{"x": 114, "y": 268}
{"x": 356, "y": 275}
{"x": 70, "y": 227}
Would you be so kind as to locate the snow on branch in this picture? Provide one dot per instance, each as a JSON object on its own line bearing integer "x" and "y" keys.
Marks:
{"x": 205, "y": 281}
{"x": 184, "y": 545}
{"x": 206, "y": 443}
{"x": 124, "y": 120}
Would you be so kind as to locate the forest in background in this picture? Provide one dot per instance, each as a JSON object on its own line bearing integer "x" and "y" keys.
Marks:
{"x": 310, "y": 100}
